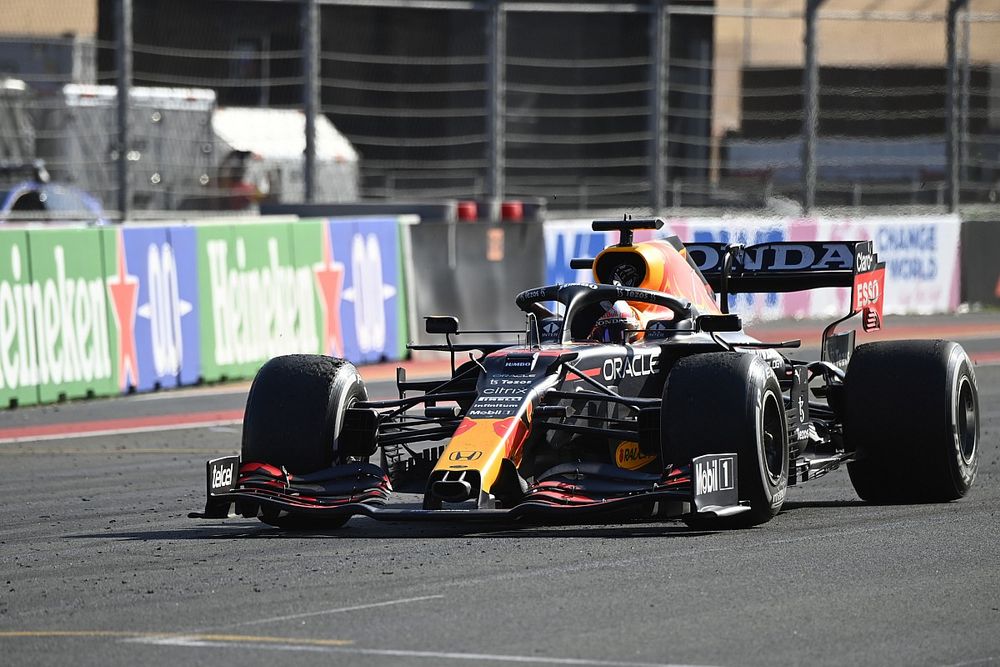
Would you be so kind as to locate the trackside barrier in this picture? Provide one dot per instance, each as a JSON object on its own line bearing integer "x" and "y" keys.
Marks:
{"x": 921, "y": 255}
{"x": 101, "y": 311}
{"x": 473, "y": 271}
{"x": 981, "y": 262}
{"x": 18, "y": 343}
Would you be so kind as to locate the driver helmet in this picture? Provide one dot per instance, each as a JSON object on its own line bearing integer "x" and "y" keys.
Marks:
{"x": 619, "y": 324}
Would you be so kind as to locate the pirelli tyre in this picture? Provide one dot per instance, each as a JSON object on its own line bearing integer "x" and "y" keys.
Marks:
{"x": 912, "y": 416}
{"x": 293, "y": 417}
{"x": 724, "y": 402}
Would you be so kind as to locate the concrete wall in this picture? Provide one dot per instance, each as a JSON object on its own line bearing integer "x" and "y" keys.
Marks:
{"x": 49, "y": 17}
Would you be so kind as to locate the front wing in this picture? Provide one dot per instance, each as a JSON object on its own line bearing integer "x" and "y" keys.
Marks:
{"x": 706, "y": 488}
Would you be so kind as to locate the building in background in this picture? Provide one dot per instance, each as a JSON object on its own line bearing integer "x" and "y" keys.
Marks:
{"x": 409, "y": 89}
{"x": 44, "y": 44}
{"x": 882, "y": 98}
{"x": 48, "y": 42}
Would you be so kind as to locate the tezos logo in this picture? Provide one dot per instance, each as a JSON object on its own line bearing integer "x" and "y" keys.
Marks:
{"x": 629, "y": 293}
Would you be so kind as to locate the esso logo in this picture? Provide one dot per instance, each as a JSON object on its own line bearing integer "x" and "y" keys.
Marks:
{"x": 369, "y": 304}
{"x": 164, "y": 309}
{"x": 866, "y": 293}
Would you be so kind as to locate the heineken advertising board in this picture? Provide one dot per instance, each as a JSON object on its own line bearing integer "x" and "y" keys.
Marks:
{"x": 320, "y": 286}
{"x": 77, "y": 343}
{"x": 155, "y": 307}
{"x": 91, "y": 312}
{"x": 360, "y": 285}
{"x": 257, "y": 302}
{"x": 18, "y": 348}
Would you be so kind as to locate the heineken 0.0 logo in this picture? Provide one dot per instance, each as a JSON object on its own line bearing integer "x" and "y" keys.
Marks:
{"x": 369, "y": 310}
{"x": 165, "y": 309}
{"x": 368, "y": 293}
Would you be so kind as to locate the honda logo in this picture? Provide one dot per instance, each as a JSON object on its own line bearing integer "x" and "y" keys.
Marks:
{"x": 464, "y": 456}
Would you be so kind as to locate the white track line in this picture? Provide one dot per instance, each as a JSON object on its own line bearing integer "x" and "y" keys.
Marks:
{"x": 119, "y": 431}
{"x": 322, "y": 612}
{"x": 187, "y": 392}
{"x": 401, "y": 653}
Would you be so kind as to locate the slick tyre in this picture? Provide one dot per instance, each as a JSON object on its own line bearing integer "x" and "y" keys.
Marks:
{"x": 295, "y": 410}
{"x": 724, "y": 402}
{"x": 912, "y": 416}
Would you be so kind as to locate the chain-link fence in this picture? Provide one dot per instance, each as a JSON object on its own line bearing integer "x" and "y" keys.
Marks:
{"x": 768, "y": 104}
{"x": 882, "y": 102}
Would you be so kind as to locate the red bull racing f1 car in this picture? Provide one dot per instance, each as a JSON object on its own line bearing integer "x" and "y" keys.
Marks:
{"x": 636, "y": 394}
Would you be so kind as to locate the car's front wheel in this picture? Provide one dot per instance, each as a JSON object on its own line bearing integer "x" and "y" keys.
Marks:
{"x": 730, "y": 402}
{"x": 294, "y": 415}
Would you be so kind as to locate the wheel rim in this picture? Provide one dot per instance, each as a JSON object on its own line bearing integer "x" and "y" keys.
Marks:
{"x": 967, "y": 420}
{"x": 771, "y": 438}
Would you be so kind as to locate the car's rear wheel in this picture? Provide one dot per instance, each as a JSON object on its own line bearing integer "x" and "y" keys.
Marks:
{"x": 730, "y": 402}
{"x": 294, "y": 414}
{"x": 913, "y": 419}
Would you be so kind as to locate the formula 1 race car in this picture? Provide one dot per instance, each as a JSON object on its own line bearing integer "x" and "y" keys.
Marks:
{"x": 636, "y": 395}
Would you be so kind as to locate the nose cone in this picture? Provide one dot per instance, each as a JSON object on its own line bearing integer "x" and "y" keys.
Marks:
{"x": 452, "y": 491}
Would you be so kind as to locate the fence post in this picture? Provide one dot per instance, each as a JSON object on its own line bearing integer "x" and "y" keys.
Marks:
{"x": 951, "y": 113}
{"x": 496, "y": 40}
{"x": 123, "y": 53}
{"x": 310, "y": 91}
{"x": 963, "y": 103}
{"x": 660, "y": 72}
{"x": 810, "y": 104}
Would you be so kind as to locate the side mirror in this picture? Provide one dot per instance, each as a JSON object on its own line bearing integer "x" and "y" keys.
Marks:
{"x": 441, "y": 324}
{"x": 715, "y": 323}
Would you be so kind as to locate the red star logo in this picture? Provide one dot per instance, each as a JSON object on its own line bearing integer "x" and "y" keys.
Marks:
{"x": 124, "y": 290}
{"x": 330, "y": 279}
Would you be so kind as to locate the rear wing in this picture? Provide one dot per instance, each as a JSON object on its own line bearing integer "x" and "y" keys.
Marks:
{"x": 792, "y": 266}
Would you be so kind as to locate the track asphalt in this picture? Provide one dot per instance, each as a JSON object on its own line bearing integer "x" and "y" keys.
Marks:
{"x": 100, "y": 565}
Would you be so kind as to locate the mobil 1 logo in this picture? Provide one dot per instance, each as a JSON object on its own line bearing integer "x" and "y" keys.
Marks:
{"x": 714, "y": 481}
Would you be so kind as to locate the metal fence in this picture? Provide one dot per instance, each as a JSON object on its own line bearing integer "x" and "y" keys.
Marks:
{"x": 776, "y": 105}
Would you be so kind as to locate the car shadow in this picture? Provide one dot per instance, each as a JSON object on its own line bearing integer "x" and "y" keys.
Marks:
{"x": 792, "y": 505}
{"x": 368, "y": 529}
